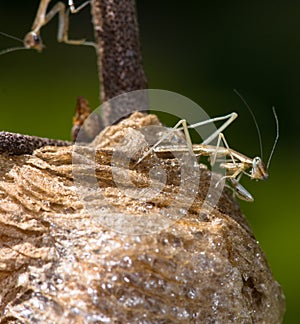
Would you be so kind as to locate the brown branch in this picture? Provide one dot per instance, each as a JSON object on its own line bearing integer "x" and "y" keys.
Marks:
{"x": 119, "y": 55}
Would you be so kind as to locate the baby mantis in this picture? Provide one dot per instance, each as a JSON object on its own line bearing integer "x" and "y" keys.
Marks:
{"x": 237, "y": 165}
{"x": 32, "y": 40}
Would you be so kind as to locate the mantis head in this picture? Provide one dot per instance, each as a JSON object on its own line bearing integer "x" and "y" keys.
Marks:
{"x": 32, "y": 40}
{"x": 259, "y": 170}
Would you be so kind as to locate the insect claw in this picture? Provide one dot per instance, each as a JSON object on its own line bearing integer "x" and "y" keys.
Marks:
{"x": 240, "y": 191}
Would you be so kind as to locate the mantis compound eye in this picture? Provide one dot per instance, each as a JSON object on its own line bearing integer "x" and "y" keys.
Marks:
{"x": 34, "y": 41}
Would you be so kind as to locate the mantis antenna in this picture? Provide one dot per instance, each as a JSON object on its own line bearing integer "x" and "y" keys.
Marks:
{"x": 258, "y": 131}
{"x": 12, "y": 37}
{"x": 276, "y": 138}
{"x": 254, "y": 119}
{"x": 12, "y": 49}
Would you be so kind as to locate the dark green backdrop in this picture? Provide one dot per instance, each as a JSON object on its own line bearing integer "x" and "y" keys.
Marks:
{"x": 203, "y": 50}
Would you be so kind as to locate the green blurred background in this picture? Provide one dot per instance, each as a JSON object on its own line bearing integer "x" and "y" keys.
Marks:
{"x": 202, "y": 50}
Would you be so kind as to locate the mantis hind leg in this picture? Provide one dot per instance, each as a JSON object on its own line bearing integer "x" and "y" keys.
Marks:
{"x": 182, "y": 125}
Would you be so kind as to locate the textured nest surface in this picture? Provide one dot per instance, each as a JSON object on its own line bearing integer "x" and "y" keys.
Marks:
{"x": 71, "y": 252}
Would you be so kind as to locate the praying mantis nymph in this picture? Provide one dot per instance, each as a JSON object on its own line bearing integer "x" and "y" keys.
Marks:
{"x": 237, "y": 164}
{"x": 33, "y": 40}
